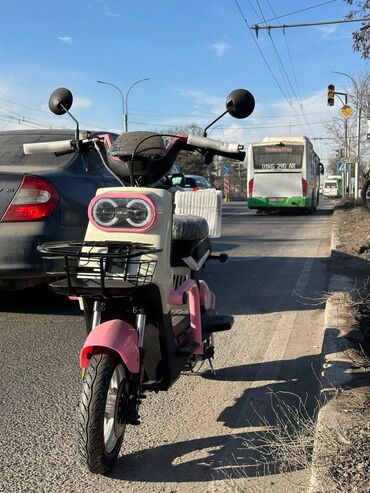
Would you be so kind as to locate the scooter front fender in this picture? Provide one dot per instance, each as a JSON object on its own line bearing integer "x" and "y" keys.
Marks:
{"x": 117, "y": 335}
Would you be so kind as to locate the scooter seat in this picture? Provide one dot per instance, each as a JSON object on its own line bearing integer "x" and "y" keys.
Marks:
{"x": 189, "y": 228}
{"x": 189, "y": 239}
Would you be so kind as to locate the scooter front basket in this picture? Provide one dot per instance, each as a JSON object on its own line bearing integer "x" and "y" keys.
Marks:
{"x": 98, "y": 269}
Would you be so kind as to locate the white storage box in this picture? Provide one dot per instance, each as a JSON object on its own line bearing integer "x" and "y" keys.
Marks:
{"x": 203, "y": 203}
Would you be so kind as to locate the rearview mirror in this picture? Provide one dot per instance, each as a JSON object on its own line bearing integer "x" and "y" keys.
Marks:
{"x": 60, "y": 101}
{"x": 240, "y": 103}
{"x": 321, "y": 168}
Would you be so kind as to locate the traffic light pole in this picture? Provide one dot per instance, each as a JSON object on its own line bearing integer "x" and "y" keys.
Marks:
{"x": 346, "y": 151}
{"x": 359, "y": 97}
{"x": 358, "y": 142}
{"x": 346, "y": 180}
{"x": 346, "y": 177}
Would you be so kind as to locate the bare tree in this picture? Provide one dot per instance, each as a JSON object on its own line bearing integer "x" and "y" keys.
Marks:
{"x": 358, "y": 99}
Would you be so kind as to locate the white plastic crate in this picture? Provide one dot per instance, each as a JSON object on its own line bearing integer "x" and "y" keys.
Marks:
{"x": 203, "y": 203}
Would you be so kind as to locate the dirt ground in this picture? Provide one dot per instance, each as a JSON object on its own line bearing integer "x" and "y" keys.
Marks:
{"x": 353, "y": 230}
{"x": 347, "y": 442}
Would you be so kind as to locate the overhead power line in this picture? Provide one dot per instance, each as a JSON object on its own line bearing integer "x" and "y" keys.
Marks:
{"x": 258, "y": 27}
{"x": 286, "y": 77}
{"x": 223, "y": 127}
{"x": 301, "y": 10}
{"x": 286, "y": 93}
{"x": 261, "y": 53}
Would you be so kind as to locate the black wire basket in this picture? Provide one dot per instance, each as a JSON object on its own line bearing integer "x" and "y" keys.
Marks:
{"x": 98, "y": 269}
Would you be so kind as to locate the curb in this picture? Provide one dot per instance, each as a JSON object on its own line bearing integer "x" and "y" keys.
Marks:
{"x": 336, "y": 373}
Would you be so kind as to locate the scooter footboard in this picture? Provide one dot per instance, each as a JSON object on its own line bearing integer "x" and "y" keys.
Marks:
{"x": 118, "y": 336}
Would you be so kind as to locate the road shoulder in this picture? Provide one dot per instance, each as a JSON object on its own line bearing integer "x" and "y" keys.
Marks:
{"x": 341, "y": 458}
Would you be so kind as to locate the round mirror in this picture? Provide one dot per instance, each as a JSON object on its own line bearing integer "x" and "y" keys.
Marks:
{"x": 60, "y": 101}
{"x": 240, "y": 103}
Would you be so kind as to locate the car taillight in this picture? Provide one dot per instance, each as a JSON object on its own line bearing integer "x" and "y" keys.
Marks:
{"x": 195, "y": 189}
{"x": 122, "y": 212}
{"x": 304, "y": 187}
{"x": 35, "y": 199}
{"x": 250, "y": 188}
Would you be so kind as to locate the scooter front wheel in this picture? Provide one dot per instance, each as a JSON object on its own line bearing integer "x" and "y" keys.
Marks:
{"x": 101, "y": 416}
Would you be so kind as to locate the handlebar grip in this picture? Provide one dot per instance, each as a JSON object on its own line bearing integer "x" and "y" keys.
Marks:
{"x": 198, "y": 141}
{"x": 44, "y": 147}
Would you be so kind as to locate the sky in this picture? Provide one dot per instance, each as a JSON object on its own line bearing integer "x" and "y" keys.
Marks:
{"x": 194, "y": 53}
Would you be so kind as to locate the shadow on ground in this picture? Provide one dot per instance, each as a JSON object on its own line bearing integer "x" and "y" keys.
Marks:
{"x": 39, "y": 299}
{"x": 236, "y": 455}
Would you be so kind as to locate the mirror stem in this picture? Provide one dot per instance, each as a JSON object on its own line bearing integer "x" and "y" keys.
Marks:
{"x": 214, "y": 121}
{"x": 77, "y": 131}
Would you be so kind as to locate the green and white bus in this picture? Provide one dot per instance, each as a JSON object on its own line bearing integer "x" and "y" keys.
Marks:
{"x": 283, "y": 172}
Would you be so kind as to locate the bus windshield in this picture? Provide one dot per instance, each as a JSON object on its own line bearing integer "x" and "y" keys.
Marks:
{"x": 278, "y": 157}
{"x": 330, "y": 184}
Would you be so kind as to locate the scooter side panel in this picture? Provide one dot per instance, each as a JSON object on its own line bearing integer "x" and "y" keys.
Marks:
{"x": 117, "y": 335}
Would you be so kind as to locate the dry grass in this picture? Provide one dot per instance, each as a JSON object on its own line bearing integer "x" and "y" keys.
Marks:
{"x": 342, "y": 459}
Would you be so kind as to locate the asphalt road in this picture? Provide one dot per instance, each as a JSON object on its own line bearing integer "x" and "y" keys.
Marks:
{"x": 197, "y": 436}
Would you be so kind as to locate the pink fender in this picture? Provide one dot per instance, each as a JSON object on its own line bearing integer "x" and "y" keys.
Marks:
{"x": 118, "y": 336}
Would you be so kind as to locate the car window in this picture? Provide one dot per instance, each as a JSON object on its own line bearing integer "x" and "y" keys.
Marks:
{"x": 201, "y": 182}
{"x": 190, "y": 182}
{"x": 11, "y": 150}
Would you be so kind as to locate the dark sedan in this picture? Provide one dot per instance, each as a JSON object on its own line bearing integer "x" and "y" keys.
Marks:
{"x": 43, "y": 197}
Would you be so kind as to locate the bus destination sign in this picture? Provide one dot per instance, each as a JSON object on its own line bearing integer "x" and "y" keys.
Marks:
{"x": 278, "y": 158}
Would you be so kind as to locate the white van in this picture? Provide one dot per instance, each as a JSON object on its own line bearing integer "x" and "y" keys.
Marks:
{"x": 331, "y": 188}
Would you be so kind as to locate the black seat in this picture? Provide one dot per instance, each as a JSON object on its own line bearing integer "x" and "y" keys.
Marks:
{"x": 189, "y": 238}
{"x": 189, "y": 228}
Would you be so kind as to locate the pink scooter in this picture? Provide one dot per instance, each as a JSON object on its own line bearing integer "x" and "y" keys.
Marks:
{"x": 136, "y": 276}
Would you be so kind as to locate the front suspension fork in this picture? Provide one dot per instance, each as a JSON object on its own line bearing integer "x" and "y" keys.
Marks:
{"x": 135, "y": 395}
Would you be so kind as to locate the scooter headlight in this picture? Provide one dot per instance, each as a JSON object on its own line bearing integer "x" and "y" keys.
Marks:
{"x": 105, "y": 212}
{"x": 122, "y": 212}
{"x": 139, "y": 213}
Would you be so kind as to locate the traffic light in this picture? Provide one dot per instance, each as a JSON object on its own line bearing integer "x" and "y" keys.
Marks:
{"x": 331, "y": 93}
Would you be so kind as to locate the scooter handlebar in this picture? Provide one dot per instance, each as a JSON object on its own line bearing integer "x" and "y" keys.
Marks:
{"x": 206, "y": 143}
{"x": 45, "y": 147}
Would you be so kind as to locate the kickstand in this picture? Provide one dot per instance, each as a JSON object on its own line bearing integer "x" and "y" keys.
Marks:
{"x": 213, "y": 371}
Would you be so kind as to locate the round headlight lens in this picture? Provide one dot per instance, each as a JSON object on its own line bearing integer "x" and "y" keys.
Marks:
{"x": 105, "y": 212}
{"x": 139, "y": 213}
